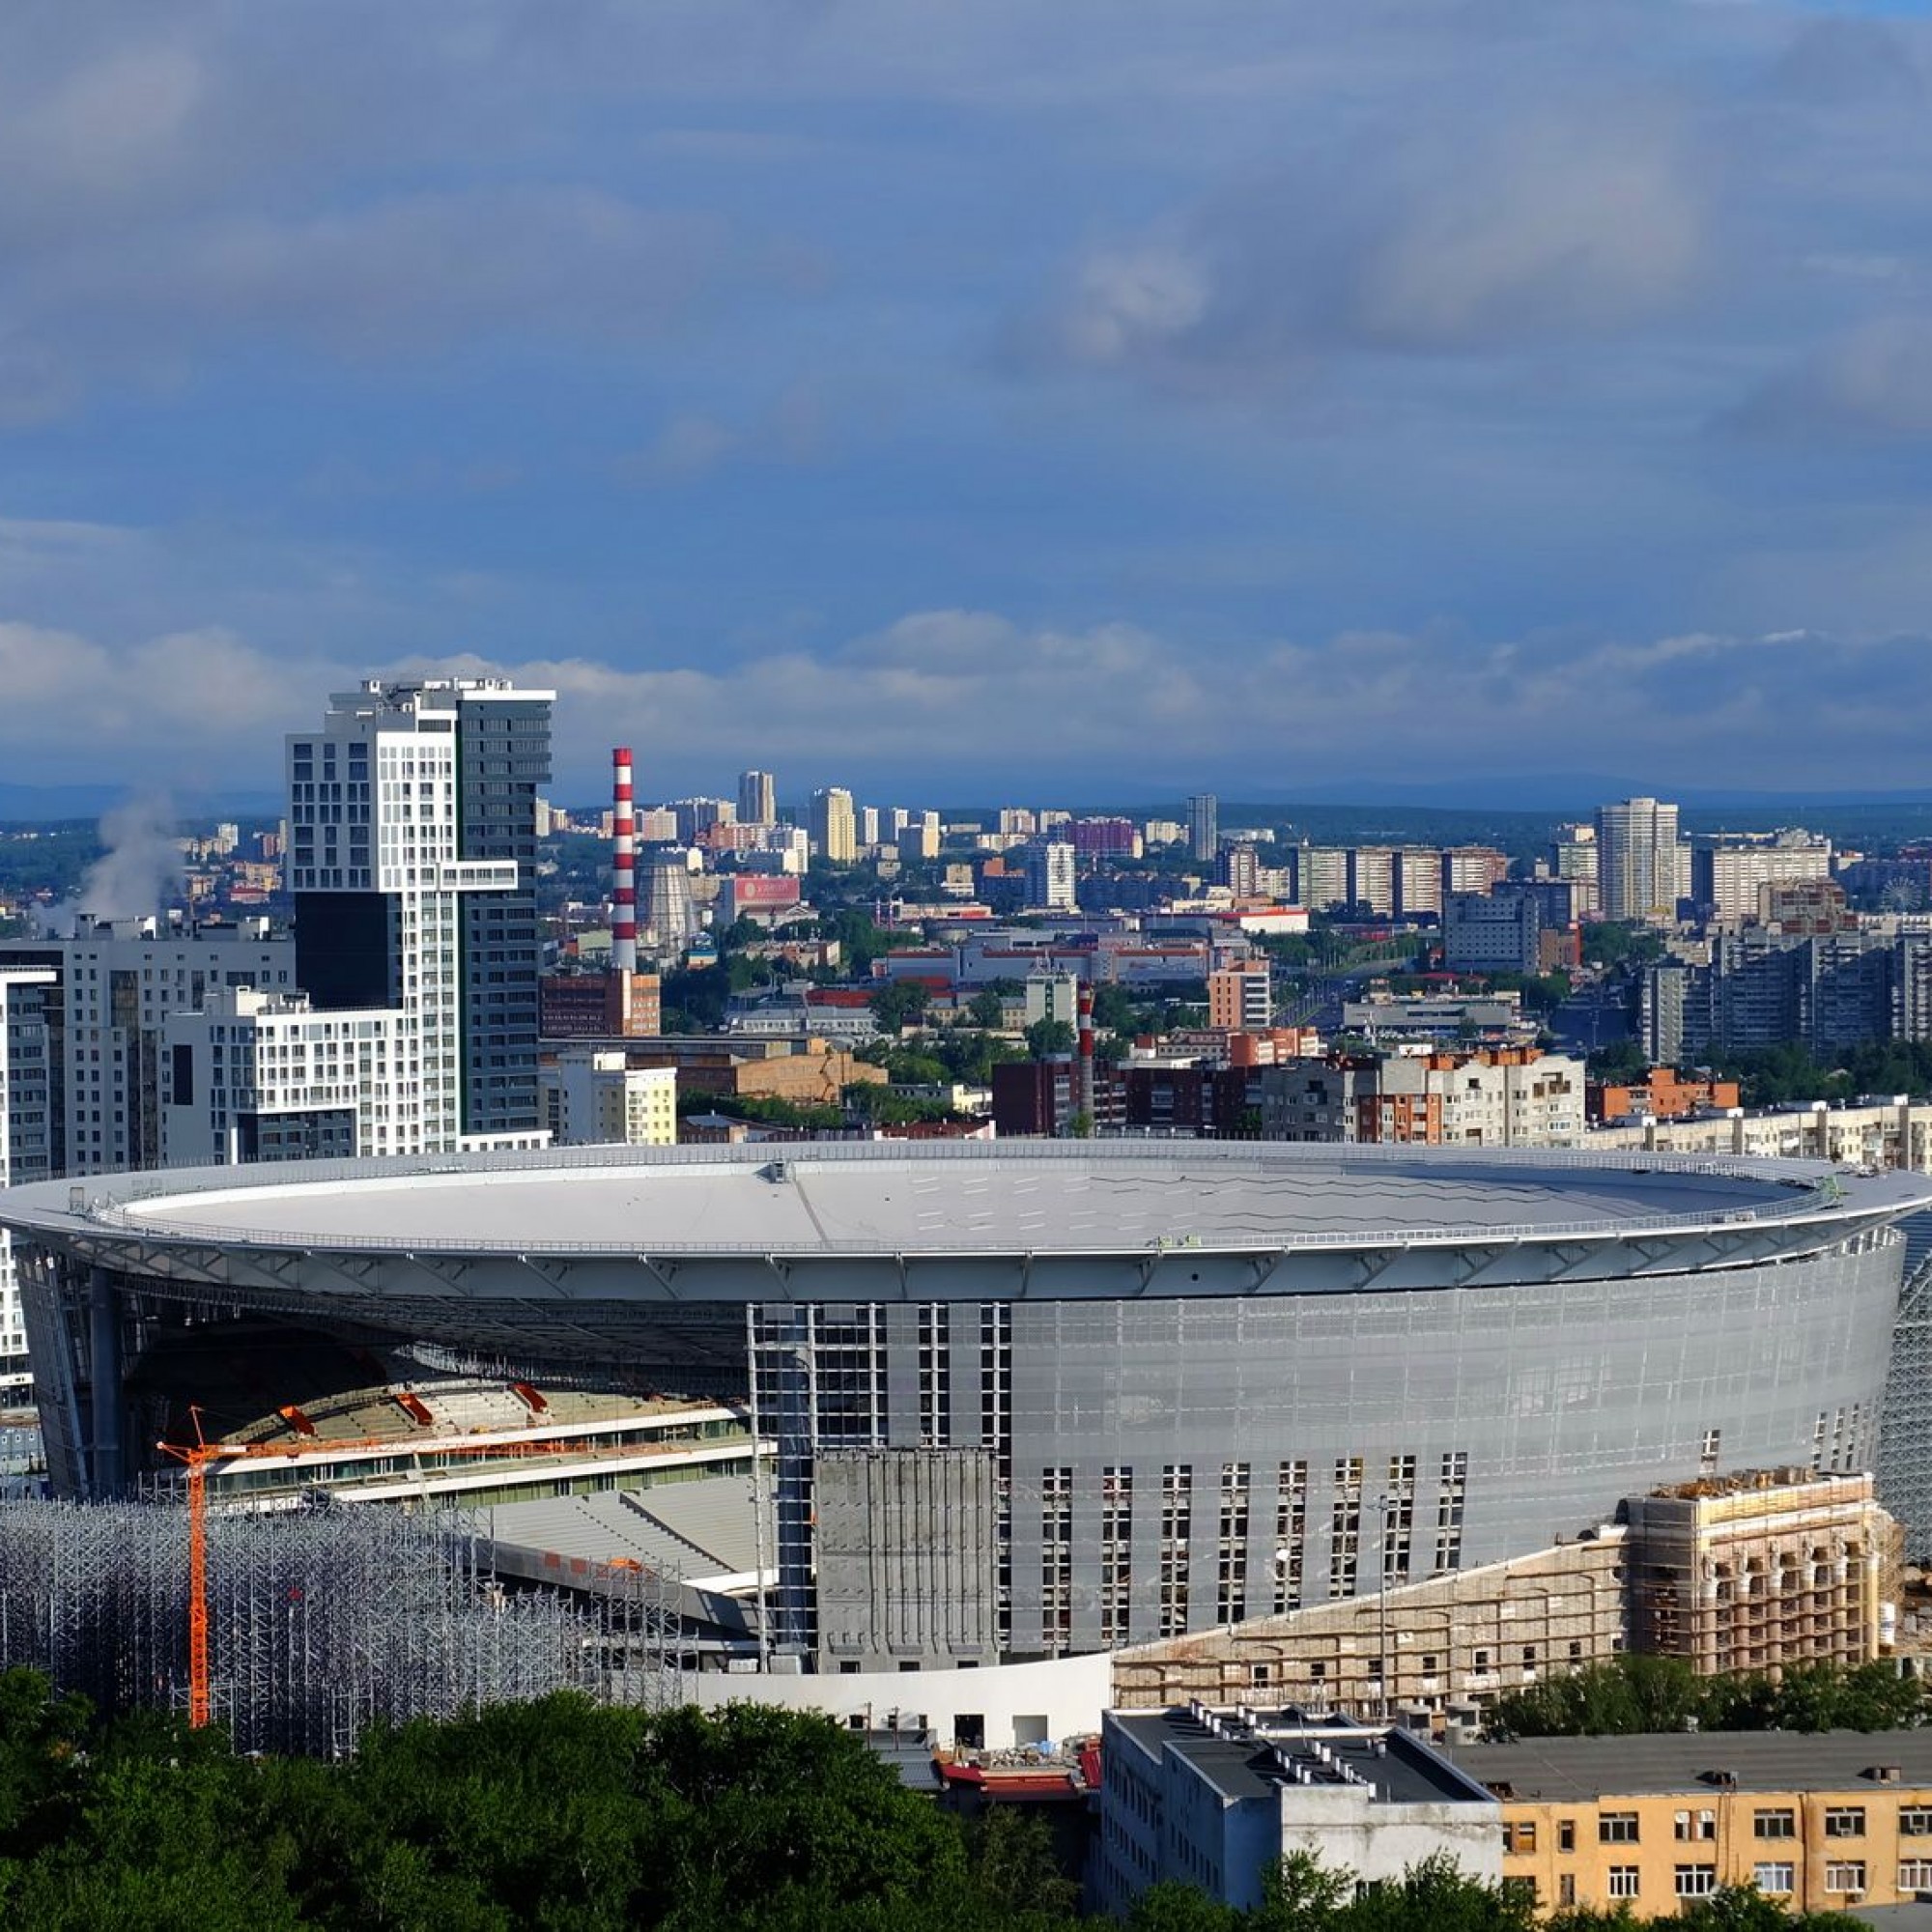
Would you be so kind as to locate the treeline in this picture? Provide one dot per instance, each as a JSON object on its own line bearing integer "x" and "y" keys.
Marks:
{"x": 1779, "y": 1075}
{"x": 1631, "y": 1694}
{"x": 561, "y": 1814}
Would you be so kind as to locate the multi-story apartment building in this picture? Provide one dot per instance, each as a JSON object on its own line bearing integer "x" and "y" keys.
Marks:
{"x": 1764, "y": 987}
{"x": 258, "y": 1076}
{"x": 27, "y": 1149}
{"x": 1322, "y": 876}
{"x": 835, "y": 826}
{"x": 1473, "y": 868}
{"x": 1503, "y": 1097}
{"x": 1371, "y": 877}
{"x": 412, "y": 815}
{"x": 1818, "y": 1823}
{"x": 1052, "y": 879}
{"x": 594, "y": 1096}
{"x": 1727, "y": 874}
{"x": 1643, "y": 868}
{"x": 116, "y": 985}
{"x": 1418, "y": 880}
{"x": 1239, "y": 997}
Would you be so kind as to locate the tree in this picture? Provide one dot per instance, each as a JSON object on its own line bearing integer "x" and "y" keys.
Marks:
{"x": 899, "y": 1002}
{"x": 1047, "y": 1037}
{"x": 985, "y": 1008}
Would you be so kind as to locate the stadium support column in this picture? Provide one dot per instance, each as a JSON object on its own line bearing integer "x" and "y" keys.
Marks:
{"x": 103, "y": 1314}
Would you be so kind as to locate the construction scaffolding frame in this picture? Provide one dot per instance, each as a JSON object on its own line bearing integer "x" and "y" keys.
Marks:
{"x": 1905, "y": 1431}
{"x": 324, "y": 1617}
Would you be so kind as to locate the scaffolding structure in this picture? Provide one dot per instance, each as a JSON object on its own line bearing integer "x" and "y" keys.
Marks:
{"x": 1905, "y": 1435}
{"x": 323, "y": 1618}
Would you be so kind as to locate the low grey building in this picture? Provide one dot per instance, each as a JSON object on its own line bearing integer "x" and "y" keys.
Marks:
{"x": 1212, "y": 1797}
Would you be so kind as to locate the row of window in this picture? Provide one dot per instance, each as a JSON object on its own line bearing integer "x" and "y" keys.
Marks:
{"x": 1773, "y": 1822}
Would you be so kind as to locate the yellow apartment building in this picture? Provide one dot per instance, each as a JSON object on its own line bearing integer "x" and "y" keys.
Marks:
{"x": 1821, "y": 1823}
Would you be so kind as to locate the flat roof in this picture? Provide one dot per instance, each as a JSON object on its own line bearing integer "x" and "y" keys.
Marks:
{"x": 1683, "y": 1763}
{"x": 949, "y": 1198}
{"x": 1243, "y": 1760}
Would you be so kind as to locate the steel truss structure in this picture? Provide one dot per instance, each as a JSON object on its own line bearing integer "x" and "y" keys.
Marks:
{"x": 1905, "y": 1440}
{"x": 323, "y": 1618}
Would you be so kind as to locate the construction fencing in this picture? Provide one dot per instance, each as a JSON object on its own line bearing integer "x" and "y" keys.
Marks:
{"x": 324, "y": 1617}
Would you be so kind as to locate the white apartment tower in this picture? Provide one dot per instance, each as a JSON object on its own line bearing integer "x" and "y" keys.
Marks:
{"x": 1643, "y": 868}
{"x": 412, "y": 822}
{"x": 1051, "y": 876}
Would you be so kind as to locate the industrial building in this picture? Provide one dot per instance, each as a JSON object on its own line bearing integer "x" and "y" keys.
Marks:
{"x": 1211, "y": 1798}
{"x": 1031, "y": 1405}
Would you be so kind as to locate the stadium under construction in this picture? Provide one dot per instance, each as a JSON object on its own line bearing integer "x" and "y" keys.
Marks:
{"x": 1004, "y": 1407}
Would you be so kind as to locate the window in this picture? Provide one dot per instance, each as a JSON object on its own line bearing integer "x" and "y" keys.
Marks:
{"x": 1623, "y": 1881}
{"x": 1566, "y": 1835}
{"x": 1847, "y": 1875}
{"x": 1695, "y": 1881}
{"x": 1845, "y": 1821}
{"x": 1696, "y": 1825}
{"x": 1914, "y": 1821}
{"x": 1566, "y": 1888}
{"x": 1914, "y": 1874}
{"x": 1775, "y": 1879}
{"x": 1775, "y": 1823}
{"x": 1617, "y": 1827}
{"x": 1519, "y": 1838}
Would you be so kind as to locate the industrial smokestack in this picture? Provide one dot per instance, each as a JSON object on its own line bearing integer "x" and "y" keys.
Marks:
{"x": 623, "y": 865}
{"x": 1083, "y": 1065}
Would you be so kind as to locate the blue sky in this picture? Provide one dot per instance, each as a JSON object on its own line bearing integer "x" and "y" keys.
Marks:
{"x": 1074, "y": 402}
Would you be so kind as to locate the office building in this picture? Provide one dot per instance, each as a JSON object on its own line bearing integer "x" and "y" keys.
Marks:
{"x": 758, "y": 798}
{"x": 413, "y": 812}
{"x": 1643, "y": 868}
{"x": 1492, "y": 932}
{"x": 1204, "y": 827}
{"x": 1211, "y": 1798}
{"x": 835, "y": 826}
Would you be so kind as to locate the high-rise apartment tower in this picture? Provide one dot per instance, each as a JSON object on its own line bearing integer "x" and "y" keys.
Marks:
{"x": 758, "y": 798}
{"x": 1642, "y": 867}
{"x": 412, "y": 821}
{"x": 1204, "y": 827}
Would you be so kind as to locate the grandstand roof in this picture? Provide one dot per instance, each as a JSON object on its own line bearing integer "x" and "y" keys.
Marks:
{"x": 481, "y": 1241}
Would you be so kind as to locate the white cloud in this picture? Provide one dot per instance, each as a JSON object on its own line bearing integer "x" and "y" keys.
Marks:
{"x": 955, "y": 702}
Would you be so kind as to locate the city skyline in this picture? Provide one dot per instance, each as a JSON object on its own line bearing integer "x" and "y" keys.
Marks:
{"x": 866, "y": 395}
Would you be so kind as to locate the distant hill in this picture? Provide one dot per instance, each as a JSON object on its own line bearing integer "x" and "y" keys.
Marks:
{"x": 42, "y": 804}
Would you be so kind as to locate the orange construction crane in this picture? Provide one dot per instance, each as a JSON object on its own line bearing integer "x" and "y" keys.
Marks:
{"x": 196, "y": 1456}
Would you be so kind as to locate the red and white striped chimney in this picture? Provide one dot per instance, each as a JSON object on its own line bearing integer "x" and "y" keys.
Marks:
{"x": 623, "y": 865}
